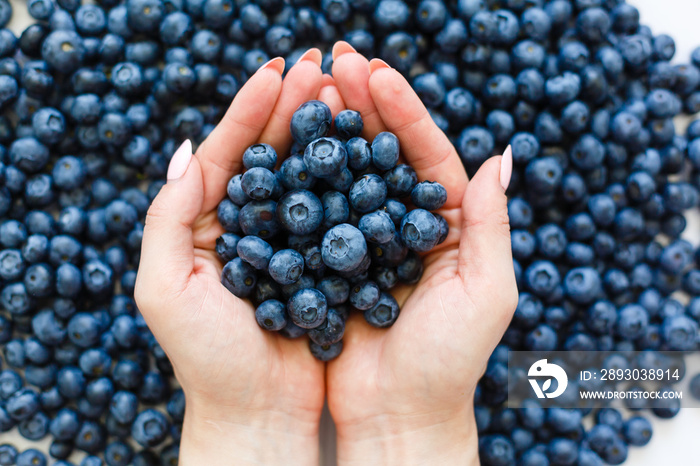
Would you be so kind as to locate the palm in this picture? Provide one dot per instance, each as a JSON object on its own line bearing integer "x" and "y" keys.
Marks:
{"x": 422, "y": 350}
{"x": 218, "y": 351}
{"x": 432, "y": 357}
{"x": 224, "y": 327}
{"x": 227, "y": 349}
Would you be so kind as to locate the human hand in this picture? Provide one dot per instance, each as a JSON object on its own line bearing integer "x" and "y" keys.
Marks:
{"x": 405, "y": 395}
{"x": 252, "y": 396}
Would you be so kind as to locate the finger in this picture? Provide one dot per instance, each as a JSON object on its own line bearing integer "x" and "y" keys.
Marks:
{"x": 485, "y": 259}
{"x": 167, "y": 250}
{"x": 301, "y": 84}
{"x": 330, "y": 96}
{"x": 351, "y": 74}
{"x": 423, "y": 144}
{"x": 221, "y": 153}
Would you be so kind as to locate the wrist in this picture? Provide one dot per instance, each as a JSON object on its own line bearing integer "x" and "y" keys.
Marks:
{"x": 245, "y": 437}
{"x": 448, "y": 438}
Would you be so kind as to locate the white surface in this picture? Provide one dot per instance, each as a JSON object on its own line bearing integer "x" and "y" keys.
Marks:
{"x": 674, "y": 441}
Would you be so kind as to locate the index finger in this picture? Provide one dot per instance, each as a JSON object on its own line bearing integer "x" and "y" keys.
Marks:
{"x": 221, "y": 153}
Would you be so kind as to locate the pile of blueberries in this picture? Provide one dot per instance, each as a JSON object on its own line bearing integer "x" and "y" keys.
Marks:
{"x": 95, "y": 98}
{"x": 327, "y": 230}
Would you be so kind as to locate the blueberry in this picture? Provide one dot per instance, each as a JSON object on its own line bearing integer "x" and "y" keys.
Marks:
{"x": 118, "y": 453}
{"x": 336, "y": 209}
{"x": 123, "y": 407}
{"x": 430, "y": 88}
{"x": 391, "y": 253}
{"x": 632, "y": 321}
{"x": 259, "y": 218}
{"x": 258, "y": 183}
{"x": 330, "y": 331}
{"x": 385, "y": 151}
{"x": 429, "y": 195}
{"x": 28, "y": 154}
{"x": 228, "y": 215}
{"x": 22, "y": 404}
{"x": 295, "y": 175}
{"x": 144, "y": 15}
{"x": 260, "y": 155}
{"x": 496, "y": 449}
{"x": 312, "y": 257}
{"x": 582, "y": 285}
{"x": 310, "y": 121}
{"x": 326, "y": 352}
{"x": 10, "y": 383}
{"x": 335, "y": 289}
{"x": 342, "y": 181}
{"x": 176, "y": 28}
{"x": 377, "y": 227}
{"x": 11, "y": 264}
{"x": 348, "y": 124}
{"x": 31, "y": 457}
{"x": 343, "y": 248}
{"x": 90, "y": 20}
{"x": 307, "y": 308}
{"x": 679, "y": 333}
{"x": 239, "y": 277}
{"x": 359, "y": 153}
{"x": 271, "y": 315}
{"x": 94, "y": 362}
{"x": 150, "y": 428}
{"x": 255, "y": 251}
{"x": 384, "y": 312}
{"x": 562, "y": 451}
{"x": 501, "y": 125}
{"x": 522, "y": 244}
{"x": 218, "y": 13}
{"x": 365, "y": 295}
{"x": 474, "y": 145}
{"x": 385, "y": 277}
{"x": 300, "y": 212}
{"x": 411, "y": 270}
{"x": 325, "y": 157}
{"x": 637, "y": 431}
{"x": 391, "y": 14}
{"x": 286, "y": 266}
{"x": 8, "y": 454}
{"x": 420, "y": 230}
{"x": 676, "y": 256}
{"x": 63, "y": 50}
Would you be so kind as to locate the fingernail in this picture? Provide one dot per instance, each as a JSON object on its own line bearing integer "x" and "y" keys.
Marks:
{"x": 180, "y": 161}
{"x": 506, "y": 167}
{"x": 276, "y": 64}
{"x": 341, "y": 48}
{"x": 377, "y": 64}
{"x": 313, "y": 55}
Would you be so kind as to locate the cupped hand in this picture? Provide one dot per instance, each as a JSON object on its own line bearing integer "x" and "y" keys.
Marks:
{"x": 405, "y": 394}
{"x": 252, "y": 396}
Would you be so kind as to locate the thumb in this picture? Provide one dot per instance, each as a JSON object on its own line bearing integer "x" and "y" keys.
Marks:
{"x": 167, "y": 248}
{"x": 485, "y": 258}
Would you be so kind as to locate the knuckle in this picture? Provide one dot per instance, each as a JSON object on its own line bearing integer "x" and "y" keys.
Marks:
{"x": 510, "y": 300}
{"x": 497, "y": 220}
{"x": 142, "y": 297}
{"x": 158, "y": 210}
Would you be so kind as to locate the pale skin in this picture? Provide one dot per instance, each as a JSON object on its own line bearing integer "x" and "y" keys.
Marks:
{"x": 398, "y": 396}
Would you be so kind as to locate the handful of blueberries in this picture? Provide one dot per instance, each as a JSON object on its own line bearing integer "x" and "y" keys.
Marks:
{"x": 328, "y": 231}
